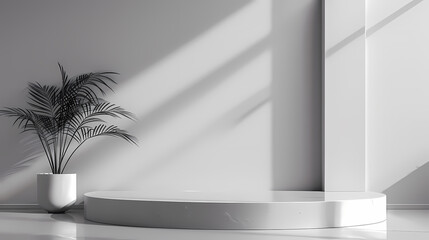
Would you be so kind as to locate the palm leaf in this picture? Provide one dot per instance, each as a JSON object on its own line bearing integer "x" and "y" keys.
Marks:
{"x": 89, "y": 113}
{"x": 84, "y": 87}
{"x": 80, "y": 90}
{"x": 43, "y": 99}
{"x": 32, "y": 122}
{"x": 85, "y": 134}
{"x": 69, "y": 113}
{"x": 22, "y": 116}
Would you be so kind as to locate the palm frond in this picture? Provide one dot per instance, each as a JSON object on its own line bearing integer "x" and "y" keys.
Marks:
{"x": 84, "y": 88}
{"x": 80, "y": 90}
{"x": 85, "y": 134}
{"x": 32, "y": 122}
{"x": 64, "y": 76}
{"x": 22, "y": 116}
{"x": 29, "y": 121}
{"x": 61, "y": 115}
{"x": 43, "y": 99}
{"x": 88, "y": 112}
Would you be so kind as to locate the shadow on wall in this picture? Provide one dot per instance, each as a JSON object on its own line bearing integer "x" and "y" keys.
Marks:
{"x": 188, "y": 96}
{"x": 296, "y": 151}
{"x": 135, "y": 36}
{"x": 392, "y": 17}
{"x": 128, "y": 37}
{"x": 297, "y": 95}
{"x": 410, "y": 190}
{"x": 134, "y": 40}
{"x": 371, "y": 30}
{"x": 91, "y": 35}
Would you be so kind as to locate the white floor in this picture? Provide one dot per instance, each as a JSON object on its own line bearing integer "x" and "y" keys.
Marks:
{"x": 37, "y": 225}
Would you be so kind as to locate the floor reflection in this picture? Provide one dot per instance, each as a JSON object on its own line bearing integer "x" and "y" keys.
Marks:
{"x": 35, "y": 225}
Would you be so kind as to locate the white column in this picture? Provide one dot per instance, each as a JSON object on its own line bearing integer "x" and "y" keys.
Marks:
{"x": 344, "y": 95}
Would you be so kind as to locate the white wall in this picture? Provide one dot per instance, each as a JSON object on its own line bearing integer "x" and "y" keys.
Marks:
{"x": 398, "y": 99}
{"x": 344, "y": 95}
{"x": 223, "y": 103}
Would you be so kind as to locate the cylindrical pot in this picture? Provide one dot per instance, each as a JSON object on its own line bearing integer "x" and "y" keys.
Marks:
{"x": 56, "y": 193}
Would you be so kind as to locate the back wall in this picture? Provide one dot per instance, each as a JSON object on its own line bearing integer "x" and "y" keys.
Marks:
{"x": 227, "y": 93}
{"x": 398, "y": 100}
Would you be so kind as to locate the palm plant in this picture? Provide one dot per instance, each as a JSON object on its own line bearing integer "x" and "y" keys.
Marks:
{"x": 65, "y": 117}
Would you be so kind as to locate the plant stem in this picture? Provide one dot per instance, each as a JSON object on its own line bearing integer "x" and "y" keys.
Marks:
{"x": 55, "y": 154}
{"x": 46, "y": 153}
{"x": 68, "y": 159}
{"x": 61, "y": 149}
{"x": 65, "y": 149}
{"x": 45, "y": 145}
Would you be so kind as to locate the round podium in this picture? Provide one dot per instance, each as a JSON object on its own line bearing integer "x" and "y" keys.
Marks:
{"x": 238, "y": 210}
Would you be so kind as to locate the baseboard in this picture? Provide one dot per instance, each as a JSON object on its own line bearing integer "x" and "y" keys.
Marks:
{"x": 30, "y": 206}
{"x": 407, "y": 206}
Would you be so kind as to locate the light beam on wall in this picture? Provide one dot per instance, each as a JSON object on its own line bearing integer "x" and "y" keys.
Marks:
{"x": 188, "y": 131}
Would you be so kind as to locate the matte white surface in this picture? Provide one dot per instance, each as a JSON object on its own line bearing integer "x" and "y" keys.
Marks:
{"x": 398, "y": 100}
{"x": 251, "y": 210}
{"x": 344, "y": 95}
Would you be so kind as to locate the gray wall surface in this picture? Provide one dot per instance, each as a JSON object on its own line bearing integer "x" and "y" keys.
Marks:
{"x": 398, "y": 100}
{"x": 297, "y": 95}
{"x": 227, "y": 93}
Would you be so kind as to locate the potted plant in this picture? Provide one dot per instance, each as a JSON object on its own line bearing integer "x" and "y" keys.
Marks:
{"x": 64, "y": 118}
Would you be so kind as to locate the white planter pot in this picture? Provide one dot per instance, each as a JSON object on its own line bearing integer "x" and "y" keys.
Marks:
{"x": 56, "y": 193}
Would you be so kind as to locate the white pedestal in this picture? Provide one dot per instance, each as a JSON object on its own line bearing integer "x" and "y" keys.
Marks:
{"x": 257, "y": 210}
